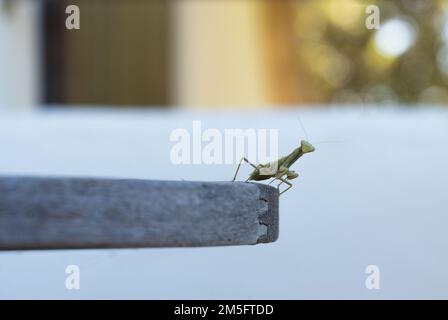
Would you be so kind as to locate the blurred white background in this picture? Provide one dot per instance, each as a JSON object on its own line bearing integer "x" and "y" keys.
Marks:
{"x": 375, "y": 195}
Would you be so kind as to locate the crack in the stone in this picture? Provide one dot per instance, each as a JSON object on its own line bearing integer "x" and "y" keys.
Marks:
{"x": 261, "y": 216}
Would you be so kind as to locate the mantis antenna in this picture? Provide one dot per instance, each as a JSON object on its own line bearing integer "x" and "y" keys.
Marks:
{"x": 303, "y": 128}
{"x": 318, "y": 142}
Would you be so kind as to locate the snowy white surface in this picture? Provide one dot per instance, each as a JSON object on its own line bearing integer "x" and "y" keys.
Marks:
{"x": 376, "y": 195}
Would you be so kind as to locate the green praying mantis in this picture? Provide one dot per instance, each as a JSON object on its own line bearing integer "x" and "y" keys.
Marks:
{"x": 279, "y": 169}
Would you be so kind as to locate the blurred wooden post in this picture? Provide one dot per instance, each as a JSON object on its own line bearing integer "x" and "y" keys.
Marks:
{"x": 120, "y": 55}
{"x": 233, "y": 53}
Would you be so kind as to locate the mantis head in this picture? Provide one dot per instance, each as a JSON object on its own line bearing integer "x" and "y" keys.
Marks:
{"x": 306, "y": 146}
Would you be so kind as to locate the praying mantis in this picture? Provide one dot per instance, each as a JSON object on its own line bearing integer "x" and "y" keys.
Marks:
{"x": 279, "y": 169}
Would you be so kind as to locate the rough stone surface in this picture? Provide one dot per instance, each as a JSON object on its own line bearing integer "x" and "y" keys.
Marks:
{"x": 63, "y": 213}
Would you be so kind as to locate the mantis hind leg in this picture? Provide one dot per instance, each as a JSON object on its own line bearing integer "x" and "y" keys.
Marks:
{"x": 239, "y": 165}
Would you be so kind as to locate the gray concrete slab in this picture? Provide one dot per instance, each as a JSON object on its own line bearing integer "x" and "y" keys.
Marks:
{"x": 63, "y": 213}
